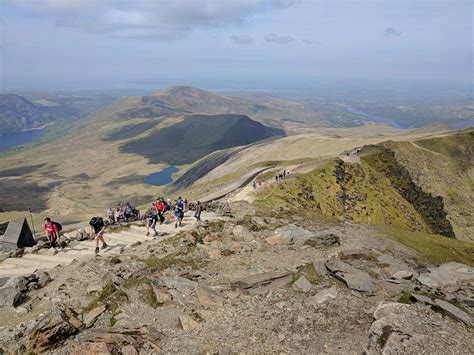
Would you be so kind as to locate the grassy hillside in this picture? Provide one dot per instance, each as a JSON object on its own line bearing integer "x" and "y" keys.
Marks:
{"x": 375, "y": 189}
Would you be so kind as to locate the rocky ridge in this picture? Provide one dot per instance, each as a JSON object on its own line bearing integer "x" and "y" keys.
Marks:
{"x": 241, "y": 282}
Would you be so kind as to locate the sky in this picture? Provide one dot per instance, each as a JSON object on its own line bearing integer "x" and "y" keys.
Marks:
{"x": 232, "y": 43}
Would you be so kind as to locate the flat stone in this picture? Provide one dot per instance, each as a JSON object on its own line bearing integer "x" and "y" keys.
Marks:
{"x": 402, "y": 274}
{"x": 187, "y": 323}
{"x": 128, "y": 350}
{"x": 92, "y": 316}
{"x": 240, "y": 232}
{"x": 93, "y": 288}
{"x": 302, "y": 284}
{"x": 257, "y": 280}
{"x": 453, "y": 311}
{"x": 449, "y": 274}
{"x": 354, "y": 278}
{"x": 178, "y": 283}
{"x": 422, "y": 299}
{"x": 43, "y": 279}
{"x": 215, "y": 254}
{"x": 323, "y": 240}
{"x": 322, "y": 296}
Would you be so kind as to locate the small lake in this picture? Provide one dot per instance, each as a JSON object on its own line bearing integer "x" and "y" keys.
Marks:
{"x": 11, "y": 140}
{"x": 379, "y": 119}
{"x": 162, "y": 177}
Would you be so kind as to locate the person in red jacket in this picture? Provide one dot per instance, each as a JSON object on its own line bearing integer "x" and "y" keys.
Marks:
{"x": 160, "y": 209}
{"x": 52, "y": 232}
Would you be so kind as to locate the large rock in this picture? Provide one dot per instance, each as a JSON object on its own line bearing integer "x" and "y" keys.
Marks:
{"x": 241, "y": 233}
{"x": 354, "y": 278}
{"x": 449, "y": 274}
{"x": 294, "y": 234}
{"x": 323, "y": 240}
{"x": 91, "y": 349}
{"x": 10, "y": 296}
{"x": 453, "y": 311}
{"x": 54, "y": 328}
{"x": 178, "y": 283}
{"x": 207, "y": 297}
{"x": 187, "y": 323}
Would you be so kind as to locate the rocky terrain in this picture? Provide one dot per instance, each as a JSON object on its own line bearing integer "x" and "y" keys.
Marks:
{"x": 247, "y": 282}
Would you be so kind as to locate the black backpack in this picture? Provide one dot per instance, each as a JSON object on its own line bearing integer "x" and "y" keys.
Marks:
{"x": 59, "y": 226}
{"x": 97, "y": 222}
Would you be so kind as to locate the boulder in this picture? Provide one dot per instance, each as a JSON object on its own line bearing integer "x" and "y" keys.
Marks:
{"x": 294, "y": 234}
{"x": 354, "y": 278}
{"x": 240, "y": 233}
{"x": 54, "y": 328}
{"x": 449, "y": 274}
{"x": 178, "y": 283}
{"x": 43, "y": 279}
{"x": 214, "y": 253}
{"x": 10, "y": 296}
{"x": 302, "y": 285}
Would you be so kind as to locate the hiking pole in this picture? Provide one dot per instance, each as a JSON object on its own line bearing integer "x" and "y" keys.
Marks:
{"x": 32, "y": 223}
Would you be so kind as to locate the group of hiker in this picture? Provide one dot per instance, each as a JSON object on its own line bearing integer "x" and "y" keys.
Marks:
{"x": 281, "y": 175}
{"x": 122, "y": 214}
{"x": 154, "y": 216}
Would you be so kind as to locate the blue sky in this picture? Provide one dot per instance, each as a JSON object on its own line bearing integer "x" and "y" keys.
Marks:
{"x": 234, "y": 43}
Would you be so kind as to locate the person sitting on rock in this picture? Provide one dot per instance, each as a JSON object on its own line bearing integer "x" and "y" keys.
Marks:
{"x": 111, "y": 216}
{"x": 52, "y": 232}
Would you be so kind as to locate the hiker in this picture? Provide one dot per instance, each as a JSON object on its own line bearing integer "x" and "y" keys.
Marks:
{"x": 185, "y": 207}
{"x": 97, "y": 226}
{"x": 111, "y": 215}
{"x": 178, "y": 212}
{"x": 197, "y": 212}
{"x": 151, "y": 220}
{"x": 254, "y": 184}
{"x": 128, "y": 211}
{"x": 160, "y": 207}
{"x": 52, "y": 229}
{"x": 119, "y": 214}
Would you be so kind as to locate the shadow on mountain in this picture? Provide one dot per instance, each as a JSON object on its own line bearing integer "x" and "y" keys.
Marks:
{"x": 197, "y": 136}
{"x": 18, "y": 195}
{"x": 21, "y": 170}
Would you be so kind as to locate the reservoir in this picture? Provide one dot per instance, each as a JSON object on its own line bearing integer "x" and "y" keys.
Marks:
{"x": 379, "y": 119}
{"x": 11, "y": 140}
{"x": 162, "y": 177}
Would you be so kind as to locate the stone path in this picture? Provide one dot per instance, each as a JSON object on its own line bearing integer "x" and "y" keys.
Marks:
{"x": 83, "y": 250}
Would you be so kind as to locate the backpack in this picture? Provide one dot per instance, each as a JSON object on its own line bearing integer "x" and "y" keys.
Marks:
{"x": 97, "y": 222}
{"x": 59, "y": 226}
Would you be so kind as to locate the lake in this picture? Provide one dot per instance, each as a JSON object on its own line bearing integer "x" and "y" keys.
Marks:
{"x": 162, "y": 177}
{"x": 379, "y": 119}
{"x": 11, "y": 140}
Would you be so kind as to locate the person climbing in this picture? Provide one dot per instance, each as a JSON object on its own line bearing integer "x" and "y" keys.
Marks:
{"x": 97, "y": 228}
{"x": 52, "y": 232}
{"x": 179, "y": 212}
{"x": 151, "y": 220}
{"x": 160, "y": 207}
{"x": 197, "y": 212}
{"x": 185, "y": 206}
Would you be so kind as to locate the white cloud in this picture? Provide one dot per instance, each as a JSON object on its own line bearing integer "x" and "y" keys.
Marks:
{"x": 160, "y": 19}
{"x": 241, "y": 39}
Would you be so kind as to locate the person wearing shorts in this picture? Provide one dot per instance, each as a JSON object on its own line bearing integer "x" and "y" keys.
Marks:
{"x": 97, "y": 228}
